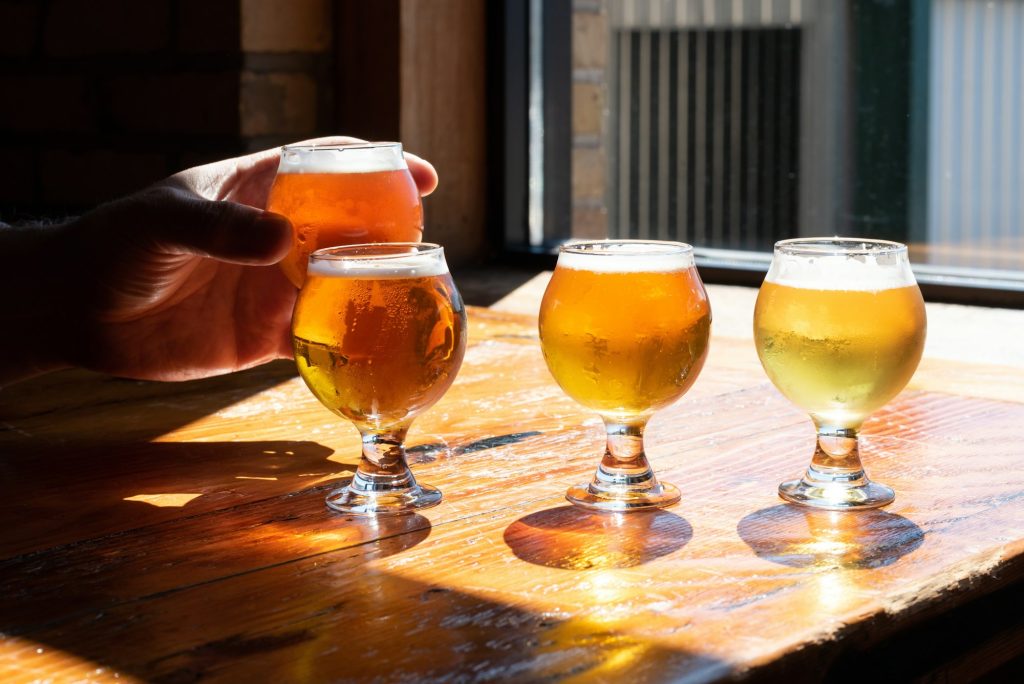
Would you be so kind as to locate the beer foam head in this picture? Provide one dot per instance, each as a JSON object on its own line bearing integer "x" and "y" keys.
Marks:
{"x": 626, "y": 256}
{"x": 348, "y": 262}
{"x": 347, "y": 158}
{"x": 836, "y": 264}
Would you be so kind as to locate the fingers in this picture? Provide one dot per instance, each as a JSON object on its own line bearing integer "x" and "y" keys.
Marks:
{"x": 177, "y": 222}
{"x": 247, "y": 179}
{"x": 423, "y": 173}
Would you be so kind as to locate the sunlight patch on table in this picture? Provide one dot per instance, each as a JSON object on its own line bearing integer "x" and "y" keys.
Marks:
{"x": 24, "y": 660}
{"x": 165, "y": 500}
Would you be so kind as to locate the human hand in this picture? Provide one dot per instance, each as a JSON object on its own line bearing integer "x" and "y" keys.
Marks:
{"x": 177, "y": 281}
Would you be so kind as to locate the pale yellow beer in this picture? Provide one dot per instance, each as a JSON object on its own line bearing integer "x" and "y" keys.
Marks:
{"x": 378, "y": 344}
{"x": 839, "y": 354}
{"x": 839, "y": 326}
{"x": 628, "y": 339}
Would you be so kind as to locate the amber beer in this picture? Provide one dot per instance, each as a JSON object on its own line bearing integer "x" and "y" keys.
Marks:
{"x": 344, "y": 194}
{"x": 840, "y": 354}
{"x": 625, "y": 335}
{"x": 378, "y": 342}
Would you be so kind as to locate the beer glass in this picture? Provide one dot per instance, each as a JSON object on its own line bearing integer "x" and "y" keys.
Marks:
{"x": 344, "y": 194}
{"x": 379, "y": 333}
{"x": 839, "y": 326}
{"x": 624, "y": 327}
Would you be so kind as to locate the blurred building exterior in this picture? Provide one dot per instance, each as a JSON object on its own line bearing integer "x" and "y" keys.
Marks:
{"x": 735, "y": 123}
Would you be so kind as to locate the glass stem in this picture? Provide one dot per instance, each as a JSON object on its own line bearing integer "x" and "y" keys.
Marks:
{"x": 624, "y": 466}
{"x": 382, "y": 466}
{"x": 836, "y": 458}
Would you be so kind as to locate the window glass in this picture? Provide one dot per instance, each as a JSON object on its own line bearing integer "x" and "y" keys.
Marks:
{"x": 731, "y": 124}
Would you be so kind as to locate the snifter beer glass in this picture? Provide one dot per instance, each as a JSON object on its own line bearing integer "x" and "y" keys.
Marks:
{"x": 839, "y": 326}
{"x": 624, "y": 327}
{"x": 342, "y": 195}
{"x": 379, "y": 334}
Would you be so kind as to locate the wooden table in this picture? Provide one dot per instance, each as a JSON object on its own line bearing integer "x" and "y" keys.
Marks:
{"x": 177, "y": 533}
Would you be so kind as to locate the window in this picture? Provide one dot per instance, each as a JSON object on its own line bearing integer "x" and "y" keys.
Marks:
{"x": 731, "y": 124}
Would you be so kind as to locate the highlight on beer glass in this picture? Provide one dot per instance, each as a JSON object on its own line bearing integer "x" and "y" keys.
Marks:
{"x": 624, "y": 328}
{"x": 342, "y": 194}
{"x": 839, "y": 326}
{"x": 379, "y": 333}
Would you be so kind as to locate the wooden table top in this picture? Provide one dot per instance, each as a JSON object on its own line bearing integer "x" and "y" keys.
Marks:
{"x": 177, "y": 532}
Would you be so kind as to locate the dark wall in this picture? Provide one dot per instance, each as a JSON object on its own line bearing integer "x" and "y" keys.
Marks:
{"x": 104, "y": 97}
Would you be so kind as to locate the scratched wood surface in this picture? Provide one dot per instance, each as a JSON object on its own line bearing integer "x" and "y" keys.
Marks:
{"x": 177, "y": 533}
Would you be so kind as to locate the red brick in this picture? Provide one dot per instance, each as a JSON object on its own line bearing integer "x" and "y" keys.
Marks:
{"x": 55, "y": 104}
{"x": 18, "y": 27}
{"x": 589, "y": 223}
{"x": 286, "y": 25}
{"x": 208, "y": 27}
{"x": 176, "y": 103}
{"x": 90, "y": 177}
{"x": 589, "y": 40}
{"x": 282, "y": 104}
{"x": 587, "y": 108}
{"x": 588, "y": 173}
{"x": 77, "y": 28}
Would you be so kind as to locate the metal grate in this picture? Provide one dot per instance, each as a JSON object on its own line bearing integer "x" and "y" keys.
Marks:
{"x": 704, "y": 135}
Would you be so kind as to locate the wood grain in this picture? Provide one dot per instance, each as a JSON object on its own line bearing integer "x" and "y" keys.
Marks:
{"x": 177, "y": 532}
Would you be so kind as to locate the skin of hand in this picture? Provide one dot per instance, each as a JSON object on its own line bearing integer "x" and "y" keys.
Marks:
{"x": 175, "y": 282}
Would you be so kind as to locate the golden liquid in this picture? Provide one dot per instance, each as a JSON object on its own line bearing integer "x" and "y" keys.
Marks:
{"x": 839, "y": 354}
{"x": 379, "y": 351}
{"x": 331, "y": 209}
{"x": 625, "y": 344}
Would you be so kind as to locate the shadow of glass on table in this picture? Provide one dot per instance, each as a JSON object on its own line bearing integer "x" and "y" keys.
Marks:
{"x": 86, "y": 408}
{"x": 195, "y": 547}
{"x": 57, "y": 494}
{"x": 572, "y": 538}
{"x": 804, "y": 538}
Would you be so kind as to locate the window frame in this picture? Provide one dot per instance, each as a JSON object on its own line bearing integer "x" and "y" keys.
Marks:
{"x": 509, "y": 97}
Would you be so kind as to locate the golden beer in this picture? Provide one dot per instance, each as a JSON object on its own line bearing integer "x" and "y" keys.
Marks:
{"x": 624, "y": 327}
{"x": 378, "y": 348}
{"x": 839, "y": 354}
{"x": 379, "y": 332}
{"x": 625, "y": 343}
{"x": 344, "y": 194}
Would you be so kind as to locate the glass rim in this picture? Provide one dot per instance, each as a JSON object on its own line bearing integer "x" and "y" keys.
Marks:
{"x": 600, "y": 247}
{"x": 340, "y": 147}
{"x": 376, "y": 251}
{"x": 838, "y": 246}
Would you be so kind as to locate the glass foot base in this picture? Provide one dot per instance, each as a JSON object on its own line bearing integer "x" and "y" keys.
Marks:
{"x": 834, "y": 496}
{"x": 394, "y": 502}
{"x": 586, "y": 496}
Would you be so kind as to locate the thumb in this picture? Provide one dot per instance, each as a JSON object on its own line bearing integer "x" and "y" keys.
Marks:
{"x": 184, "y": 223}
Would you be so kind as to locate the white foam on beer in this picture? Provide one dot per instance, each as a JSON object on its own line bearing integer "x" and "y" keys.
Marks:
{"x": 408, "y": 267}
{"x": 342, "y": 159}
{"x": 860, "y": 273}
{"x": 627, "y": 259}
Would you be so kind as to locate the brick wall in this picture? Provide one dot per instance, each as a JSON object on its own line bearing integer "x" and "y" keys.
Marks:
{"x": 102, "y": 97}
{"x": 589, "y": 98}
